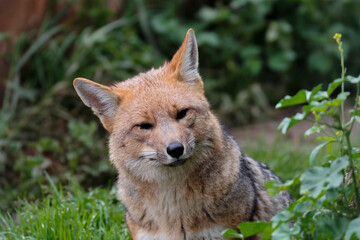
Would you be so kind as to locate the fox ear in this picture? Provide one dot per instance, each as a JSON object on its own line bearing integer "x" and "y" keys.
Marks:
{"x": 101, "y": 99}
{"x": 186, "y": 60}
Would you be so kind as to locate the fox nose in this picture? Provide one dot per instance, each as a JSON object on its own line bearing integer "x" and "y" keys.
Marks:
{"x": 175, "y": 149}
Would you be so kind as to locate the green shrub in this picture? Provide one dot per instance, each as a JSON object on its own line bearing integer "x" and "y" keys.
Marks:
{"x": 329, "y": 205}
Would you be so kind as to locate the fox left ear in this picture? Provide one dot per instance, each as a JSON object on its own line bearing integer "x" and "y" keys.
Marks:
{"x": 186, "y": 61}
{"x": 101, "y": 99}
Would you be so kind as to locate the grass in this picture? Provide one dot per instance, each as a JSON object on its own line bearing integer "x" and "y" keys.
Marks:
{"x": 71, "y": 214}
{"x": 283, "y": 157}
{"x": 76, "y": 214}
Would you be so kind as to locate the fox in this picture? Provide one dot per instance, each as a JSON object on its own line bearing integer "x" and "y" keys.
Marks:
{"x": 181, "y": 175}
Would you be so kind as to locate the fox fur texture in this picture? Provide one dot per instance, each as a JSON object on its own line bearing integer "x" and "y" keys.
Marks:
{"x": 181, "y": 174}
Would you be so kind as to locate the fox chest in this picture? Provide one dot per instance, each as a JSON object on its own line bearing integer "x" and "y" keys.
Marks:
{"x": 172, "y": 214}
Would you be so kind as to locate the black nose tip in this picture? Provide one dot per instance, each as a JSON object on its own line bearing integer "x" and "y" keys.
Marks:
{"x": 175, "y": 149}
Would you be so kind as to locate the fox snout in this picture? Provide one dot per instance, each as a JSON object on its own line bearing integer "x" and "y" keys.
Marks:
{"x": 176, "y": 150}
{"x": 174, "y": 154}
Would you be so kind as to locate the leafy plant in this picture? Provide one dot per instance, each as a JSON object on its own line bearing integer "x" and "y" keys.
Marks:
{"x": 329, "y": 206}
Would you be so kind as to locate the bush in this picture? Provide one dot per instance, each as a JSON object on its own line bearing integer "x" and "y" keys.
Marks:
{"x": 329, "y": 205}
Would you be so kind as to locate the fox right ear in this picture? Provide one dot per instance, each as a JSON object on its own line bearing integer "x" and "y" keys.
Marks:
{"x": 101, "y": 99}
{"x": 186, "y": 61}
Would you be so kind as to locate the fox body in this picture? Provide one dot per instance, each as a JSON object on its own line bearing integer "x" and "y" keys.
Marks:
{"x": 181, "y": 174}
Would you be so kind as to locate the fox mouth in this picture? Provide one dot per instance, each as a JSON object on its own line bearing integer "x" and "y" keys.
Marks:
{"x": 176, "y": 163}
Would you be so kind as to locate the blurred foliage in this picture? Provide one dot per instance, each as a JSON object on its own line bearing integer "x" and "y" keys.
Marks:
{"x": 252, "y": 52}
{"x": 283, "y": 45}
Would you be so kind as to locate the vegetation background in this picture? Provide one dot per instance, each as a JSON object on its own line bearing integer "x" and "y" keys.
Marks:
{"x": 252, "y": 53}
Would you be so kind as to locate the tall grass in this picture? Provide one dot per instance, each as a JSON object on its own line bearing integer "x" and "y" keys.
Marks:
{"x": 70, "y": 214}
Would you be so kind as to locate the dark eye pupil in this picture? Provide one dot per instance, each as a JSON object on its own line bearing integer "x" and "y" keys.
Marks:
{"x": 145, "y": 126}
{"x": 181, "y": 114}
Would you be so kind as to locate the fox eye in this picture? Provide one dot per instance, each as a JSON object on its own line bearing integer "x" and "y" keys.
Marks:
{"x": 181, "y": 114}
{"x": 145, "y": 126}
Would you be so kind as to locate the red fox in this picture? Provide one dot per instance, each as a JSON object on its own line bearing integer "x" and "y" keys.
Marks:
{"x": 181, "y": 174}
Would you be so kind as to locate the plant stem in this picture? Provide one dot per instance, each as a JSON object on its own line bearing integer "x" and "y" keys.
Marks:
{"x": 352, "y": 167}
{"x": 342, "y": 117}
{"x": 342, "y": 89}
{"x": 356, "y": 105}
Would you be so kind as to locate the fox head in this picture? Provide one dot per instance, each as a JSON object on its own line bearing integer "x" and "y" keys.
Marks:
{"x": 157, "y": 120}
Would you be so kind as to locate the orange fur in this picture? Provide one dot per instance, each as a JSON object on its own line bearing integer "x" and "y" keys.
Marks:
{"x": 207, "y": 187}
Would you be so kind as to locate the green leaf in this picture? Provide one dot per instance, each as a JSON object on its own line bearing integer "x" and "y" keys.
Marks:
{"x": 343, "y": 96}
{"x": 313, "y": 92}
{"x": 353, "y": 79}
{"x": 329, "y": 139}
{"x": 266, "y": 234}
{"x": 323, "y": 105}
{"x": 284, "y": 232}
{"x": 353, "y": 229}
{"x": 356, "y": 118}
{"x": 354, "y": 112}
{"x": 331, "y": 228}
{"x": 332, "y": 194}
{"x": 252, "y": 228}
{"x": 284, "y": 216}
{"x": 355, "y": 115}
{"x": 287, "y": 123}
{"x": 303, "y": 96}
{"x": 300, "y": 97}
{"x": 315, "y": 151}
{"x": 339, "y": 164}
{"x": 319, "y": 96}
{"x": 332, "y": 86}
{"x": 231, "y": 233}
{"x": 274, "y": 187}
{"x": 302, "y": 207}
{"x": 312, "y": 130}
{"x": 317, "y": 179}
{"x": 318, "y": 106}
{"x": 338, "y": 100}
